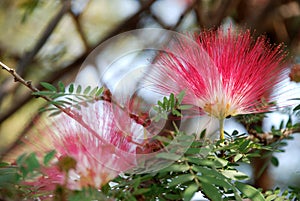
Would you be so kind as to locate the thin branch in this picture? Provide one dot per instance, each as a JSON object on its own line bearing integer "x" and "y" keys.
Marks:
{"x": 269, "y": 138}
{"x": 221, "y": 12}
{"x": 71, "y": 113}
{"x": 158, "y": 20}
{"x": 169, "y": 127}
{"x": 44, "y": 37}
{"x": 18, "y": 78}
{"x": 80, "y": 30}
{"x": 124, "y": 26}
{"x": 198, "y": 8}
{"x": 180, "y": 19}
{"x": 29, "y": 56}
{"x": 182, "y": 16}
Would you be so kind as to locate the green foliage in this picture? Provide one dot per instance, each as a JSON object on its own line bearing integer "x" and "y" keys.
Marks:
{"x": 251, "y": 118}
{"x": 249, "y": 191}
{"x": 195, "y": 164}
{"x": 48, "y": 157}
{"x": 170, "y": 104}
{"x": 8, "y": 174}
{"x": 73, "y": 96}
{"x": 87, "y": 194}
{"x": 209, "y": 167}
{"x": 291, "y": 194}
{"x": 205, "y": 166}
{"x": 26, "y": 167}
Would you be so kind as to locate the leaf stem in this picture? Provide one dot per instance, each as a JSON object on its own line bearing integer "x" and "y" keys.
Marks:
{"x": 193, "y": 173}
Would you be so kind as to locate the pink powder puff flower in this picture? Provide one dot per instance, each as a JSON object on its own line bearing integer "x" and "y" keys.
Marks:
{"x": 101, "y": 152}
{"x": 225, "y": 73}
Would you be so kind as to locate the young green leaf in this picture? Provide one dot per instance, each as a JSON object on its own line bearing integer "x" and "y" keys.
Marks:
{"x": 168, "y": 156}
{"x": 32, "y": 162}
{"x": 48, "y": 86}
{"x": 220, "y": 163}
{"x": 48, "y": 157}
{"x": 176, "y": 112}
{"x": 78, "y": 90}
{"x": 44, "y": 93}
{"x": 271, "y": 197}
{"x": 250, "y": 191}
{"x": 189, "y": 192}
{"x": 235, "y": 175}
{"x": 165, "y": 103}
{"x": 244, "y": 145}
{"x": 87, "y": 90}
{"x": 71, "y": 88}
{"x": 172, "y": 100}
{"x": 141, "y": 191}
{"x": 61, "y": 86}
{"x": 55, "y": 113}
{"x": 274, "y": 161}
{"x": 185, "y": 107}
{"x": 3, "y": 164}
{"x": 176, "y": 168}
{"x": 181, "y": 179}
{"x": 93, "y": 92}
{"x": 99, "y": 92}
{"x": 215, "y": 181}
{"x": 237, "y": 157}
{"x": 60, "y": 103}
{"x": 8, "y": 176}
{"x": 180, "y": 97}
{"x": 211, "y": 192}
{"x": 20, "y": 160}
{"x": 160, "y": 104}
{"x": 296, "y": 108}
{"x": 201, "y": 161}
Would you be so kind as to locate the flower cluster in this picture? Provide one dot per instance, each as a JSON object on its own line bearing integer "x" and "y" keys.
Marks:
{"x": 101, "y": 151}
{"x": 224, "y": 72}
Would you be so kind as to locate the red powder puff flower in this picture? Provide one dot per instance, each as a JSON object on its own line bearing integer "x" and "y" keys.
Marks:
{"x": 225, "y": 73}
{"x": 102, "y": 151}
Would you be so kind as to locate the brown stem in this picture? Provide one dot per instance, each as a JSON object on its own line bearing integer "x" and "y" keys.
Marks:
{"x": 269, "y": 138}
{"x": 80, "y": 30}
{"x": 50, "y": 79}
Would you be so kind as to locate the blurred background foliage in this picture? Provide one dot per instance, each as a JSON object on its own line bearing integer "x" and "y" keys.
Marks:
{"x": 48, "y": 41}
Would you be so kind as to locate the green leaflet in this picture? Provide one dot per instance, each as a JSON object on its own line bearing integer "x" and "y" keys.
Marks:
{"x": 250, "y": 191}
